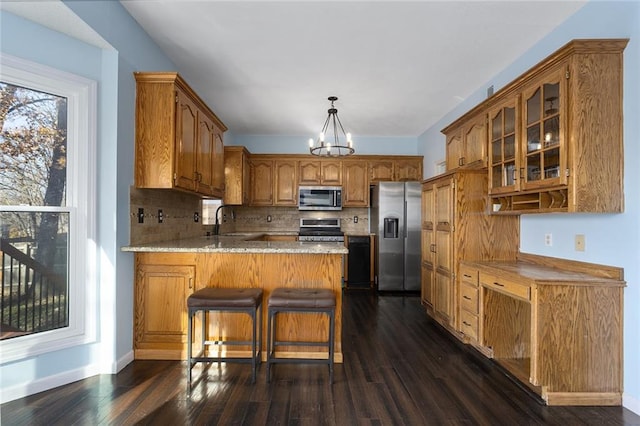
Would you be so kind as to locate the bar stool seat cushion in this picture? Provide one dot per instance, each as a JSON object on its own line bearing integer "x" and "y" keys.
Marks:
{"x": 211, "y": 297}
{"x": 302, "y": 298}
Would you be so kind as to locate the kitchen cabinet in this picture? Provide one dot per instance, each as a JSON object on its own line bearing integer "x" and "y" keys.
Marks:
{"x": 285, "y": 183}
{"x": 469, "y": 303}
{"x": 356, "y": 184}
{"x": 556, "y": 134}
{"x": 261, "y": 186}
{"x": 209, "y": 158}
{"x": 179, "y": 140}
{"x": 160, "y": 324}
{"x": 555, "y": 325}
{"x": 400, "y": 169}
{"x": 408, "y": 169}
{"x": 467, "y": 143}
{"x": 164, "y": 280}
{"x": 456, "y": 225}
{"x": 381, "y": 170}
{"x": 236, "y": 175}
{"x": 320, "y": 172}
{"x": 273, "y": 181}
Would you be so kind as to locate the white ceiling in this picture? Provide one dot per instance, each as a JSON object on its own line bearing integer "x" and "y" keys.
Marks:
{"x": 267, "y": 68}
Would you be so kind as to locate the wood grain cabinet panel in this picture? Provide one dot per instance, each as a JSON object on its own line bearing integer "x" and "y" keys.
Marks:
{"x": 261, "y": 186}
{"x": 356, "y": 184}
{"x": 160, "y": 309}
{"x": 236, "y": 175}
{"x": 179, "y": 140}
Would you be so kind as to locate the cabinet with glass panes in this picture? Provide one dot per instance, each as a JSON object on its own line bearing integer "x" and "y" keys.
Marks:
{"x": 555, "y": 133}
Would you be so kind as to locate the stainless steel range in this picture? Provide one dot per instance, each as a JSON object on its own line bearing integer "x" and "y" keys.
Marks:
{"x": 320, "y": 230}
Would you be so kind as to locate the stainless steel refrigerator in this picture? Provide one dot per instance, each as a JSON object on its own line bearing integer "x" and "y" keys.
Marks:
{"x": 395, "y": 219}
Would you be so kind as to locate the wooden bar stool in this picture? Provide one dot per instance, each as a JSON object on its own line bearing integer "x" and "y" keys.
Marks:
{"x": 300, "y": 300}
{"x": 243, "y": 300}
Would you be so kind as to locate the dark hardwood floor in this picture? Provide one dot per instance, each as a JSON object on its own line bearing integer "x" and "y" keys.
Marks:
{"x": 399, "y": 368}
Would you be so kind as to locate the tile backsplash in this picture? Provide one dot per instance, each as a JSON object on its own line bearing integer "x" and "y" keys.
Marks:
{"x": 178, "y": 211}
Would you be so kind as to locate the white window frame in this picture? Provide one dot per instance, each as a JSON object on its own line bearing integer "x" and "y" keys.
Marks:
{"x": 81, "y": 94}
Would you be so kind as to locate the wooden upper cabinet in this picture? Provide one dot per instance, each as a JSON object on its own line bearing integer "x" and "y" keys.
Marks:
{"x": 467, "y": 144}
{"x": 236, "y": 175}
{"x": 320, "y": 172}
{"x": 179, "y": 140}
{"x": 261, "y": 187}
{"x": 408, "y": 170}
{"x": 381, "y": 170}
{"x": 356, "y": 184}
{"x": 209, "y": 158}
{"x": 186, "y": 142}
{"x": 285, "y": 183}
{"x": 569, "y": 148}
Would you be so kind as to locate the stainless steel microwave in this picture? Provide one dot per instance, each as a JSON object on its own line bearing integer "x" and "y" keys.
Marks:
{"x": 320, "y": 198}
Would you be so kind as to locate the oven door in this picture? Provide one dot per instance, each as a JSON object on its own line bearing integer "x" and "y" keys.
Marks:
{"x": 320, "y": 198}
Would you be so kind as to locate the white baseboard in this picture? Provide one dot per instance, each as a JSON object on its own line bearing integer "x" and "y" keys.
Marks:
{"x": 46, "y": 383}
{"x": 121, "y": 363}
{"x": 631, "y": 403}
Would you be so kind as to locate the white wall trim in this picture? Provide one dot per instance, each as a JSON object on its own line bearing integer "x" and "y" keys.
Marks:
{"x": 631, "y": 403}
{"x": 121, "y": 363}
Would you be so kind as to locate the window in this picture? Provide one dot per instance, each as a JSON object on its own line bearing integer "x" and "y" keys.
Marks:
{"x": 47, "y": 206}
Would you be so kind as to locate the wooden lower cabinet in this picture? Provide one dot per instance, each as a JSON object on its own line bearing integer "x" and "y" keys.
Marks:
{"x": 160, "y": 309}
{"x": 165, "y": 280}
{"x": 554, "y": 324}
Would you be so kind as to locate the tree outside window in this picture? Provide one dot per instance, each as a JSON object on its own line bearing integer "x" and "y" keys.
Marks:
{"x": 34, "y": 220}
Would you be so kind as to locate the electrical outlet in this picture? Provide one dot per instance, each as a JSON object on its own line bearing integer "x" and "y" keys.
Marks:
{"x": 160, "y": 216}
{"x": 140, "y": 215}
{"x": 548, "y": 240}
{"x": 355, "y": 219}
{"x": 196, "y": 217}
{"x": 580, "y": 242}
{"x": 268, "y": 218}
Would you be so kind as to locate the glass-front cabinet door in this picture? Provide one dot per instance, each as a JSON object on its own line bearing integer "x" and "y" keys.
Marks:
{"x": 503, "y": 148}
{"x": 544, "y": 158}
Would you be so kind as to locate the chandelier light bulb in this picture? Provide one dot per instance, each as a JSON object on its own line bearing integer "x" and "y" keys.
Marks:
{"x": 321, "y": 136}
{"x": 310, "y": 142}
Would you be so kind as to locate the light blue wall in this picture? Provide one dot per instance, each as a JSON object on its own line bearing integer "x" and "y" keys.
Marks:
{"x": 274, "y": 144}
{"x": 112, "y": 69}
{"x": 612, "y": 239}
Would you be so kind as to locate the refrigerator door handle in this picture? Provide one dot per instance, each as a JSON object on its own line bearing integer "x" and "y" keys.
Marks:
{"x": 404, "y": 220}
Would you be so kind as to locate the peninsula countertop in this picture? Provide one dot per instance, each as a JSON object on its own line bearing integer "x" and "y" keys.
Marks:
{"x": 238, "y": 243}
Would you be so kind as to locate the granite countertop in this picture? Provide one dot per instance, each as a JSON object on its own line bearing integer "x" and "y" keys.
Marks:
{"x": 238, "y": 243}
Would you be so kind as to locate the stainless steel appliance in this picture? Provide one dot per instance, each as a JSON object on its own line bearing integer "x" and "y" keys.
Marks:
{"x": 320, "y": 198}
{"x": 320, "y": 230}
{"x": 395, "y": 219}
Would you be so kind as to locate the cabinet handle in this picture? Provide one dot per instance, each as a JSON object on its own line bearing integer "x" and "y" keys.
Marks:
{"x": 433, "y": 248}
{"x": 466, "y": 297}
{"x": 498, "y": 284}
{"x": 466, "y": 323}
{"x": 467, "y": 276}
{"x": 461, "y": 161}
{"x": 190, "y": 282}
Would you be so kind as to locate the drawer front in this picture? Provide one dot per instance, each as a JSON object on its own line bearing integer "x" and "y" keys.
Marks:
{"x": 468, "y": 275}
{"x": 505, "y": 286}
{"x": 469, "y": 298}
{"x": 469, "y": 324}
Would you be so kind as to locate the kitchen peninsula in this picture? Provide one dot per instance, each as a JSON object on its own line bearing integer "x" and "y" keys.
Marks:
{"x": 167, "y": 272}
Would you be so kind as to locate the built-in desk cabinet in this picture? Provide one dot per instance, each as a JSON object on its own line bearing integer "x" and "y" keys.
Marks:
{"x": 179, "y": 140}
{"x": 554, "y": 324}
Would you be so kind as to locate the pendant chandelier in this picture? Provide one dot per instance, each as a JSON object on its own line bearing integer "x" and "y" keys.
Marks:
{"x": 335, "y": 148}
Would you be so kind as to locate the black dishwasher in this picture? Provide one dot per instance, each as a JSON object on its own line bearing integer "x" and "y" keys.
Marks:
{"x": 359, "y": 262}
